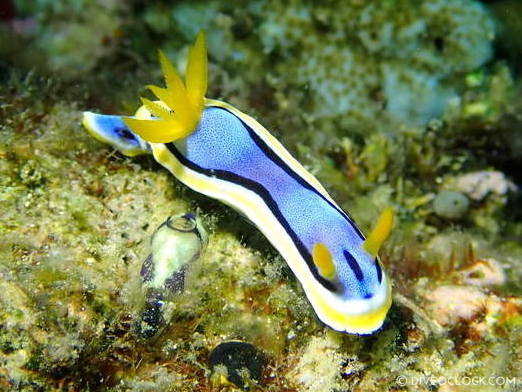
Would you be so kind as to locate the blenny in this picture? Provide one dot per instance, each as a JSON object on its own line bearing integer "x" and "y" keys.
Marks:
{"x": 225, "y": 154}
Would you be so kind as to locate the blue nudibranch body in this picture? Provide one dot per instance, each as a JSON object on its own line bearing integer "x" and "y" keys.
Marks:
{"x": 227, "y": 155}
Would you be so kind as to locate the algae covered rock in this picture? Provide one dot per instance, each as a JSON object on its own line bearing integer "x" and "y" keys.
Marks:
{"x": 65, "y": 38}
{"x": 234, "y": 359}
{"x": 354, "y": 68}
{"x": 479, "y": 185}
{"x": 450, "y": 204}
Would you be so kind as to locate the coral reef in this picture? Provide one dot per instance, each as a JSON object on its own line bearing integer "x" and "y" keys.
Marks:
{"x": 388, "y": 103}
{"x": 365, "y": 46}
{"x": 66, "y": 38}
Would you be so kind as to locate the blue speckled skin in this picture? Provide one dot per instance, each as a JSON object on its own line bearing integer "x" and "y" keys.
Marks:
{"x": 223, "y": 142}
{"x": 225, "y": 147}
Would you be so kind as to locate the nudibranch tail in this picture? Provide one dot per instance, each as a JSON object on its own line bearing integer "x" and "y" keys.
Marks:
{"x": 181, "y": 106}
{"x": 380, "y": 232}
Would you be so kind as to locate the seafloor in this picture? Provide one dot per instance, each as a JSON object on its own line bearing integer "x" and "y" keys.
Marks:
{"x": 411, "y": 104}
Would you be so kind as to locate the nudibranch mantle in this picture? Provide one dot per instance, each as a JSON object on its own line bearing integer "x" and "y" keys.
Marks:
{"x": 230, "y": 157}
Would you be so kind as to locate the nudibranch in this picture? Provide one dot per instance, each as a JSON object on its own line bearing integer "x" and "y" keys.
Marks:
{"x": 225, "y": 154}
{"x": 175, "y": 245}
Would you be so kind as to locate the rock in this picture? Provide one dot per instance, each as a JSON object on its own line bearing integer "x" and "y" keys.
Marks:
{"x": 487, "y": 272}
{"x": 452, "y": 304}
{"x": 450, "y": 204}
{"x": 478, "y": 185}
{"x": 231, "y": 359}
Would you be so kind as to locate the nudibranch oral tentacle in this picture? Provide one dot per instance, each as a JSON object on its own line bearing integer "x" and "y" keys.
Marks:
{"x": 227, "y": 155}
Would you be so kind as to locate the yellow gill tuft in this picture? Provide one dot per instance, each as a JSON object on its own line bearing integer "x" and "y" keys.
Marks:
{"x": 184, "y": 101}
{"x": 158, "y": 110}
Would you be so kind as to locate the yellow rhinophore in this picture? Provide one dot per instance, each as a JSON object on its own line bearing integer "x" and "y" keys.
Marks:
{"x": 380, "y": 232}
{"x": 181, "y": 103}
{"x": 323, "y": 261}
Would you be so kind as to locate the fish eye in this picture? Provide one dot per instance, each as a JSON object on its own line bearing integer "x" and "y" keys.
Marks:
{"x": 184, "y": 223}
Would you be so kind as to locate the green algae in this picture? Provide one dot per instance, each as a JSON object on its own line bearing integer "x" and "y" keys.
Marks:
{"x": 76, "y": 217}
